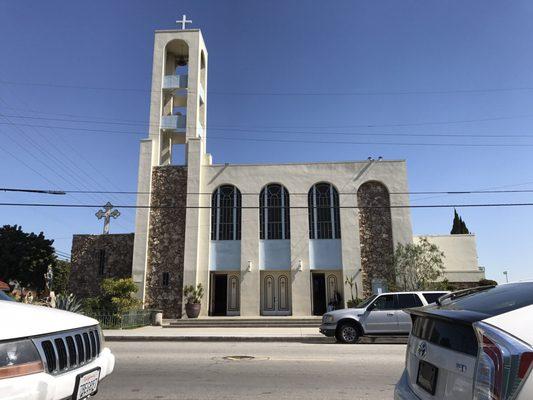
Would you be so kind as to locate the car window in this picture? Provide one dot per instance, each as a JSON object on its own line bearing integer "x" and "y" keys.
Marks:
{"x": 494, "y": 301}
{"x": 409, "y": 301}
{"x": 385, "y": 302}
{"x": 366, "y": 302}
{"x": 432, "y": 297}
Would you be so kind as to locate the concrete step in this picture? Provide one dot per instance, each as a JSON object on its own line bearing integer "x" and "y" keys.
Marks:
{"x": 232, "y": 322}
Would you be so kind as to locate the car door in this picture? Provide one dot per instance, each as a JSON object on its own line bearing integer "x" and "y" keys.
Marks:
{"x": 406, "y": 300}
{"x": 380, "y": 316}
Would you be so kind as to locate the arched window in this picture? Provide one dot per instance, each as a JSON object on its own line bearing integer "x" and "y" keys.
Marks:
{"x": 226, "y": 213}
{"x": 323, "y": 200}
{"x": 274, "y": 215}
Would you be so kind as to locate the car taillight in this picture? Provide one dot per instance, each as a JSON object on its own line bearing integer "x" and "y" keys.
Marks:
{"x": 503, "y": 363}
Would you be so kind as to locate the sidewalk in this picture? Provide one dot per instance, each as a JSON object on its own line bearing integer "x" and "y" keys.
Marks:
{"x": 157, "y": 333}
{"x": 253, "y": 334}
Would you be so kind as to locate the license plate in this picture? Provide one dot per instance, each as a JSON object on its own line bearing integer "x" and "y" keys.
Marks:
{"x": 86, "y": 384}
{"x": 427, "y": 376}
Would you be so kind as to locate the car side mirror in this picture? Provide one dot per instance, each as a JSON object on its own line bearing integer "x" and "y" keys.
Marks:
{"x": 371, "y": 307}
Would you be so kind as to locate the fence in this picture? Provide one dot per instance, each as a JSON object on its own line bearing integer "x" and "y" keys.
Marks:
{"x": 132, "y": 319}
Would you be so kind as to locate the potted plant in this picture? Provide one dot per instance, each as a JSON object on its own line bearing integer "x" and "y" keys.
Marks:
{"x": 193, "y": 296}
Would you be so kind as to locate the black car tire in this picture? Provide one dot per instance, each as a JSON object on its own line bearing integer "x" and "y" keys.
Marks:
{"x": 347, "y": 333}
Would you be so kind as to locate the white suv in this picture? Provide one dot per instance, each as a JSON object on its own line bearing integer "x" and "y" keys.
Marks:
{"x": 49, "y": 354}
{"x": 473, "y": 344}
{"x": 381, "y": 314}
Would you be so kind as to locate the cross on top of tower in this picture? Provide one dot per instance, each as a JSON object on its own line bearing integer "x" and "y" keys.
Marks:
{"x": 106, "y": 213}
{"x": 184, "y": 21}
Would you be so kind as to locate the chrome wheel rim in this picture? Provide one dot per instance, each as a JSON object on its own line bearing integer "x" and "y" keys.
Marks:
{"x": 349, "y": 334}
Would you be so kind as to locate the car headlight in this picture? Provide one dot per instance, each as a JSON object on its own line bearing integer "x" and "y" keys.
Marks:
{"x": 328, "y": 319}
{"x": 19, "y": 358}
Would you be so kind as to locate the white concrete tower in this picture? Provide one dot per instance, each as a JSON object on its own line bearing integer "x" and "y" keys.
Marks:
{"x": 177, "y": 117}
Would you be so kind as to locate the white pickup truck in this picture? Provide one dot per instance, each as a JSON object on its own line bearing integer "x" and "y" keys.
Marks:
{"x": 49, "y": 354}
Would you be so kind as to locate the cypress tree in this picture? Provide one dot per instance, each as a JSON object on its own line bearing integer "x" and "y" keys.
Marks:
{"x": 464, "y": 229}
{"x": 459, "y": 226}
{"x": 456, "y": 227}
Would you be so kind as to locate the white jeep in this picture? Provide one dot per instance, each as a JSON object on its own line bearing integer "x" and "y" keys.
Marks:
{"x": 49, "y": 354}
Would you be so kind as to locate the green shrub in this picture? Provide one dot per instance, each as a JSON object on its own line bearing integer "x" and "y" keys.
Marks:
{"x": 117, "y": 298}
{"x": 68, "y": 303}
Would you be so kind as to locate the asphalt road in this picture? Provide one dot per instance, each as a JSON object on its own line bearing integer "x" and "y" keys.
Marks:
{"x": 198, "y": 370}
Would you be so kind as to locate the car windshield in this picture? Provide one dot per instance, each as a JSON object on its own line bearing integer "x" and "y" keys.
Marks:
{"x": 366, "y": 302}
{"x": 496, "y": 300}
{"x": 4, "y": 296}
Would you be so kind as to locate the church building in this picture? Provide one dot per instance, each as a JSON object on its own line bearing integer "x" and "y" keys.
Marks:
{"x": 262, "y": 239}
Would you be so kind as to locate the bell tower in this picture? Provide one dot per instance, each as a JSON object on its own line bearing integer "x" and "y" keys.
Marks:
{"x": 178, "y": 106}
{"x": 179, "y": 88}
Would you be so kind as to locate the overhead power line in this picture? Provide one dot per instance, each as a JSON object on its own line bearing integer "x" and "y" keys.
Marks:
{"x": 287, "y": 93}
{"x": 330, "y": 142}
{"x": 132, "y": 192}
{"x": 107, "y": 121}
{"x": 276, "y": 131}
{"x": 363, "y": 143}
{"x": 126, "y": 206}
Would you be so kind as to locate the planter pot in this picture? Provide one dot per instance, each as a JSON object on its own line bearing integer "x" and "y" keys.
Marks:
{"x": 193, "y": 310}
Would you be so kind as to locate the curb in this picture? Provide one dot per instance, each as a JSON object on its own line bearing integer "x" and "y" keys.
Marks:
{"x": 279, "y": 339}
{"x": 297, "y": 339}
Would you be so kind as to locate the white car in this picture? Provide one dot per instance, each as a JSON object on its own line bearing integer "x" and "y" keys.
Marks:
{"x": 473, "y": 344}
{"x": 49, "y": 354}
{"x": 380, "y": 314}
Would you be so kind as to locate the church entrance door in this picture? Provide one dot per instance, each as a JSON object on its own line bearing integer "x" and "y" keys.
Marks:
{"x": 220, "y": 285}
{"x": 319, "y": 293}
{"x": 225, "y": 294}
{"x": 275, "y": 293}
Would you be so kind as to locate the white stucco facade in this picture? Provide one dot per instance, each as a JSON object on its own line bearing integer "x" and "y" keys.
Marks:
{"x": 460, "y": 256}
{"x": 254, "y": 275}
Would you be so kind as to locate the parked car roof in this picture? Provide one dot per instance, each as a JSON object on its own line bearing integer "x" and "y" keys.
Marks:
{"x": 488, "y": 302}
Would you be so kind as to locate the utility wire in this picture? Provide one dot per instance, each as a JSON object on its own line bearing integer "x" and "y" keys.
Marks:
{"x": 449, "y": 192}
{"x": 76, "y": 163}
{"x": 306, "y": 93}
{"x": 280, "y": 207}
{"x": 52, "y": 162}
{"x": 276, "y": 130}
{"x": 304, "y": 141}
{"x": 102, "y": 120}
{"x": 403, "y": 144}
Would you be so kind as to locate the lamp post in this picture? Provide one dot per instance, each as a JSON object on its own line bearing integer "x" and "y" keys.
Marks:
{"x": 506, "y": 277}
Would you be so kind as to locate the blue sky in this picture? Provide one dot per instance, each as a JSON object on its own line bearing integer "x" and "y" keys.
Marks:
{"x": 391, "y": 53}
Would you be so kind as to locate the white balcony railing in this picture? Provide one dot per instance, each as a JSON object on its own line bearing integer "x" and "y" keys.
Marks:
{"x": 175, "y": 81}
{"x": 175, "y": 123}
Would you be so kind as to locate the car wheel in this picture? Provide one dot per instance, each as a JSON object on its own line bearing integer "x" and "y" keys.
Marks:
{"x": 347, "y": 333}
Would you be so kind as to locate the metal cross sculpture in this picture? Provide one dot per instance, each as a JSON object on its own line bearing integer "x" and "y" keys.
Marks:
{"x": 184, "y": 21}
{"x": 106, "y": 213}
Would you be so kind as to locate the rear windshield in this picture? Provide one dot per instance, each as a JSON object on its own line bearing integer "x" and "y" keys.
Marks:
{"x": 446, "y": 334}
{"x": 432, "y": 297}
{"x": 496, "y": 300}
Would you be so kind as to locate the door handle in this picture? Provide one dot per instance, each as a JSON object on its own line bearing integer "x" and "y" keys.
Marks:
{"x": 390, "y": 314}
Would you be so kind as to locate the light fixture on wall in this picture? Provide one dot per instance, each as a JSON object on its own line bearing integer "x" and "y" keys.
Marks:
{"x": 249, "y": 268}
{"x": 300, "y": 267}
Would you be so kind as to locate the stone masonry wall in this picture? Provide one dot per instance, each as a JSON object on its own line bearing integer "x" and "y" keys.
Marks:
{"x": 375, "y": 232}
{"x": 86, "y": 275}
{"x": 166, "y": 240}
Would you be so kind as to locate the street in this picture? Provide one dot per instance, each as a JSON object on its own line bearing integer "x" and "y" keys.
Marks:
{"x": 198, "y": 370}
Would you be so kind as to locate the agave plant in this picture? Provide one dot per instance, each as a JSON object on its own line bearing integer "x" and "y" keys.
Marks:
{"x": 68, "y": 303}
